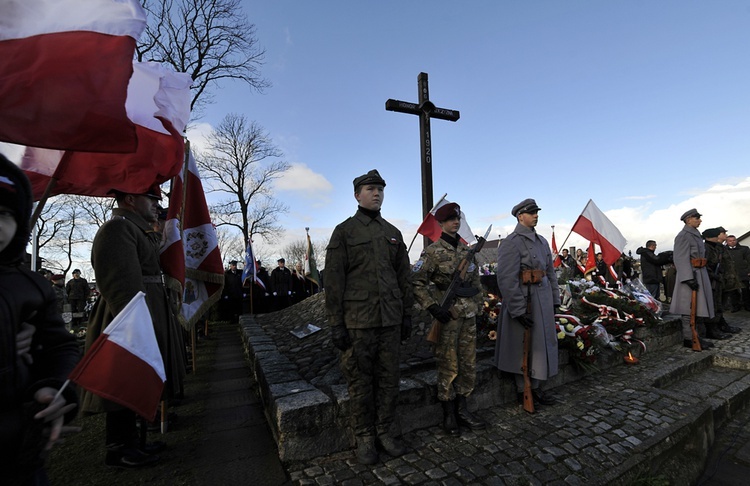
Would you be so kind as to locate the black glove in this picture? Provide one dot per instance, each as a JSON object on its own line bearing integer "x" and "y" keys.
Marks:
{"x": 525, "y": 320}
{"x": 406, "y": 328}
{"x": 439, "y": 313}
{"x": 692, "y": 284}
{"x": 340, "y": 337}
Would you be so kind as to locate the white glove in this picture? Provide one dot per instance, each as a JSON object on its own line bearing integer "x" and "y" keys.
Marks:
{"x": 290, "y": 292}
{"x": 274, "y": 294}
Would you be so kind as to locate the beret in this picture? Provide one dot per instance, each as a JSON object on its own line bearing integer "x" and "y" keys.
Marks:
{"x": 690, "y": 213}
{"x": 76, "y": 271}
{"x": 233, "y": 262}
{"x": 372, "y": 177}
{"x": 713, "y": 232}
{"x": 525, "y": 206}
{"x": 448, "y": 211}
{"x": 57, "y": 276}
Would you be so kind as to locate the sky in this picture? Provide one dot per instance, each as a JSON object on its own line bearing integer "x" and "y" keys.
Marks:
{"x": 640, "y": 106}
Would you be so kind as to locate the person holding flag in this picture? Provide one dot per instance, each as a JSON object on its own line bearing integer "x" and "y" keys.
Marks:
{"x": 125, "y": 258}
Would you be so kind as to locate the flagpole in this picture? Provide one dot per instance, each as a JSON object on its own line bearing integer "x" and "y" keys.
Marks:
{"x": 417, "y": 233}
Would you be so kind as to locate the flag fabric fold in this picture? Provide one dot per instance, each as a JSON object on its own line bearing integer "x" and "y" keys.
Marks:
{"x": 250, "y": 272}
{"x": 124, "y": 365}
{"x": 311, "y": 269}
{"x": 65, "y": 67}
{"x": 593, "y": 225}
{"x": 590, "y": 259}
{"x": 199, "y": 257}
{"x": 431, "y": 228}
{"x": 159, "y": 105}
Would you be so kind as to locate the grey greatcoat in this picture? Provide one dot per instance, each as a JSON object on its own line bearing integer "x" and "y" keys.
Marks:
{"x": 689, "y": 244}
{"x": 125, "y": 257}
{"x": 524, "y": 247}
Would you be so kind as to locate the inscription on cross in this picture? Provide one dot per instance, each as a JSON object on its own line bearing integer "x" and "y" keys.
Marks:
{"x": 426, "y": 110}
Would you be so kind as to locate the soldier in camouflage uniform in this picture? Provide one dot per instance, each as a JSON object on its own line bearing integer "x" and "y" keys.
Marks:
{"x": 368, "y": 304}
{"x": 455, "y": 352}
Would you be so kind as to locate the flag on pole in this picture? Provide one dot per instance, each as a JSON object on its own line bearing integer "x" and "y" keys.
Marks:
{"x": 200, "y": 256}
{"x": 64, "y": 70}
{"x": 250, "y": 272}
{"x": 159, "y": 105}
{"x": 590, "y": 259}
{"x": 124, "y": 364}
{"x": 558, "y": 260}
{"x": 593, "y": 225}
{"x": 311, "y": 269}
{"x": 431, "y": 228}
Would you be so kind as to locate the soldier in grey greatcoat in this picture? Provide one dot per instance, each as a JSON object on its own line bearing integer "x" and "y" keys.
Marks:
{"x": 125, "y": 257}
{"x": 691, "y": 275}
{"x": 527, "y": 305}
{"x": 456, "y": 350}
{"x": 368, "y": 300}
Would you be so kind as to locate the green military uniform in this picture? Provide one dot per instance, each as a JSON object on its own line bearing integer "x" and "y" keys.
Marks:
{"x": 455, "y": 352}
{"x": 367, "y": 290}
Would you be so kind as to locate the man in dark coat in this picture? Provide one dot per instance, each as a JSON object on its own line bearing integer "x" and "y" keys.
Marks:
{"x": 37, "y": 354}
{"x": 692, "y": 275}
{"x": 651, "y": 263}
{"x": 740, "y": 255}
{"x": 527, "y": 304}
{"x": 455, "y": 352}
{"x": 232, "y": 293}
{"x": 368, "y": 301}
{"x": 78, "y": 292}
{"x": 721, "y": 272}
{"x": 125, "y": 257}
{"x": 281, "y": 285}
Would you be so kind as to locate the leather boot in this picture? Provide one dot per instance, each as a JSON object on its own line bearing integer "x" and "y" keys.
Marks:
{"x": 366, "y": 453}
{"x": 713, "y": 332}
{"x": 465, "y": 417}
{"x": 725, "y": 327}
{"x": 449, "y": 418}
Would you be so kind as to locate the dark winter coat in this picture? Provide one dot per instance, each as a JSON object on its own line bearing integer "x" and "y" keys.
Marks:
{"x": 77, "y": 288}
{"x": 651, "y": 264}
{"x": 741, "y": 256}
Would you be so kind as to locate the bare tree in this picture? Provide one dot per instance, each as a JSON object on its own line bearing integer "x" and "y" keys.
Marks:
{"x": 59, "y": 231}
{"x": 231, "y": 245}
{"x": 242, "y": 165}
{"x": 296, "y": 250}
{"x": 211, "y": 40}
{"x": 96, "y": 210}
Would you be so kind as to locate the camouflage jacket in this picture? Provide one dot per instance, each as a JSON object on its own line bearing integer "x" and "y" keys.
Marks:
{"x": 367, "y": 274}
{"x": 433, "y": 272}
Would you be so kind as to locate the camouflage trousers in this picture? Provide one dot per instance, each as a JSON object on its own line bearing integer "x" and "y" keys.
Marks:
{"x": 456, "y": 358}
{"x": 371, "y": 368}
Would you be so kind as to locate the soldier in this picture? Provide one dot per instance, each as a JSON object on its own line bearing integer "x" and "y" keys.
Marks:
{"x": 527, "y": 304}
{"x": 723, "y": 277}
{"x": 281, "y": 285}
{"x": 692, "y": 275}
{"x": 455, "y": 353}
{"x": 368, "y": 305}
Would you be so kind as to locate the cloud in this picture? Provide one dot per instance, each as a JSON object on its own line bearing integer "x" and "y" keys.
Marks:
{"x": 198, "y": 136}
{"x": 638, "y": 198}
{"x": 301, "y": 179}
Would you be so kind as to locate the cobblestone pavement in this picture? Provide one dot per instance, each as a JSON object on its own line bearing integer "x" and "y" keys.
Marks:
{"x": 606, "y": 426}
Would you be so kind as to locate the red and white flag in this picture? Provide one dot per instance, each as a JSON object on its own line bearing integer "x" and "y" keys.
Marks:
{"x": 590, "y": 259}
{"x": 593, "y": 225}
{"x": 191, "y": 242}
{"x": 431, "y": 228}
{"x": 64, "y": 72}
{"x": 159, "y": 104}
{"x": 124, "y": 364}
{"x": 558, "y": 261}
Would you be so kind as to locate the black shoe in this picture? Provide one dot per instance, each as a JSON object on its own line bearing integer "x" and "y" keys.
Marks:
{"x": 465, "y": 418}
{"x": 154, "y": 447}
{"x": 716, "y": 334}
{"x": 392, "y": 446}
{"x": 366, "y": 453}
{"x": 128, "y": 458}
{"x": 725, "y": 327}
{"x": 545, "y": 398}
{"x": 450, "y": 426}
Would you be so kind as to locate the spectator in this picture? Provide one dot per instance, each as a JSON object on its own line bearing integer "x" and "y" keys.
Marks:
{"x": 368, "y": 302}
{"x": 38, "y": 353}
{"x": 651, "y": 263}
{"x": 281, "y": 285}
{"x": 78, "y": 292}
{"x": 567, "y": 260}
{"x": 741, "y": 257}
{"x": 232, "y": 293}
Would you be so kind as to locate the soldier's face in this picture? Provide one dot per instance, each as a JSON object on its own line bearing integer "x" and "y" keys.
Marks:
{"x": 451, "y": 226}
{"x": 370, "y": 196}
{"x": 146, "y": 207}
{"x": 528, "y": 219}
{"x": 693, "y": 221}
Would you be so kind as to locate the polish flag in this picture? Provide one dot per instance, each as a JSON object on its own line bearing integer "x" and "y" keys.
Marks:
{"x": 591, "y": 259}
{"x": 124, "y": 364}
{"x": 431, "y": 228}
{"x": 557, "y": 261}
{"x": 593, "y": 225}
{"x": 64, "y": 72}
{"x": 191, "y": 250}
{"x": 159, "y": 105}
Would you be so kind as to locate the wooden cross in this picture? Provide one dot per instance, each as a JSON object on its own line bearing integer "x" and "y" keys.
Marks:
{"x": 426, "y": 110}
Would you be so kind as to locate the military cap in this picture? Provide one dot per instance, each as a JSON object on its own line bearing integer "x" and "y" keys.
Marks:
{"x": 233, "y": 262}
{"x": 280, "y": 260}
{"x": 57, "y": 276}
{"x": 690, "y": 213}
{"x": 76, "y": 271}
{"x": 153, "y": 192}
{"x": 713, "y": 232}
{"x": 525, "y": 206}
{"x": 448, "y": 211}
{"x": 372, "y": 177}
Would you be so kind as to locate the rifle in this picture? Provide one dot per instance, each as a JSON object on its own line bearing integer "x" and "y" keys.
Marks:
{"x": 528, "y": 399}
{"x": 693, "y": 311}
{"x": 453, "y": 289}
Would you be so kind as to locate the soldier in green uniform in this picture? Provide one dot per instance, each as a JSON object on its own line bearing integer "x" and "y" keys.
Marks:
{"x": 455, "y": 352}
{"x": 368, "y": 305}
